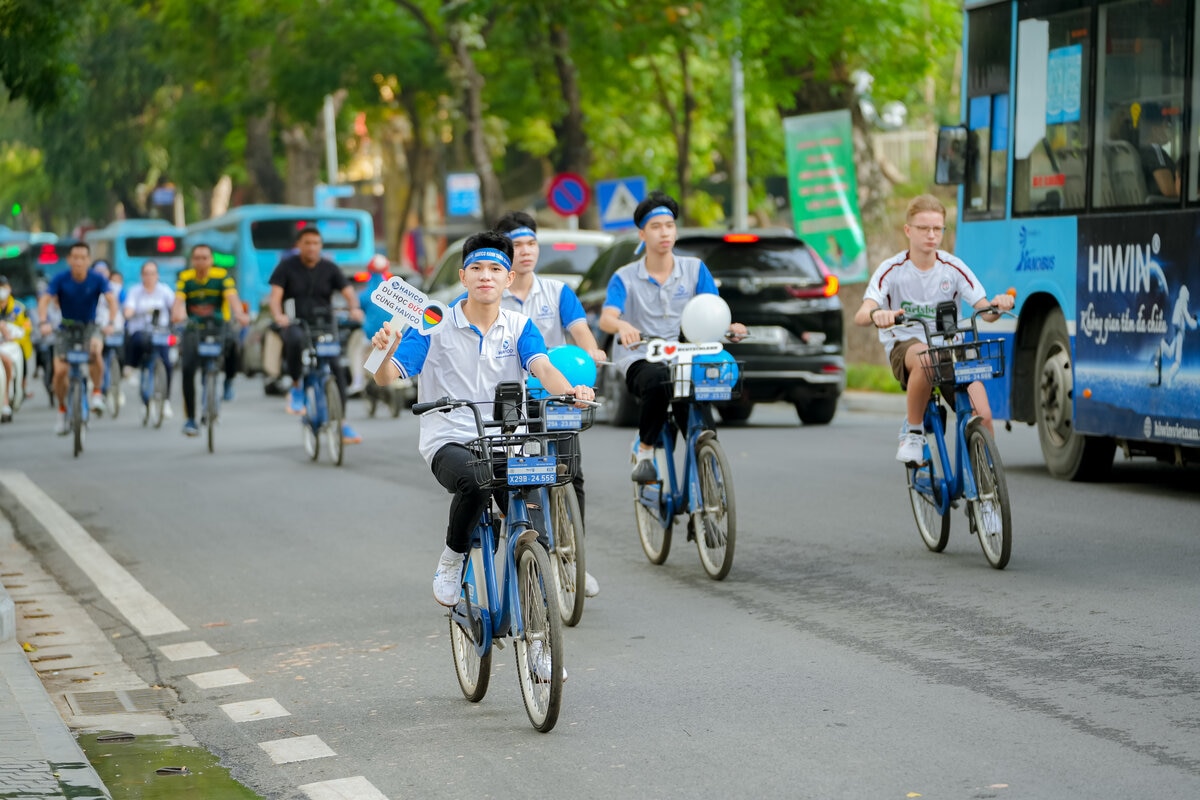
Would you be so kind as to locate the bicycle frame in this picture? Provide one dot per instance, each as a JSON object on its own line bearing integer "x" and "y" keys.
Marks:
{"x": 678, "y": 497}
{"x": 961, "y": 481}
{"x": 319, "y": 363}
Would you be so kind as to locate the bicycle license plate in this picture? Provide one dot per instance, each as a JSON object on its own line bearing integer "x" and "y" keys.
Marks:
{"x": 115, "y": 340}
{"x": 160, "y": 339}
{"x": 713, "y": 391}
{"x": 532, "y": 470}
{"x": 77, "y": 356}
{"x": 328, "y": 349}
{"x": 563, "y": 418}
{"x": 208, "y": 349}
{"x": 967, "y": 371}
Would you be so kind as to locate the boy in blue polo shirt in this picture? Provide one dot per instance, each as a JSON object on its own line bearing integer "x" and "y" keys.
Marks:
{"x": 480, "y": 345}
{"x": 645, "y": 300}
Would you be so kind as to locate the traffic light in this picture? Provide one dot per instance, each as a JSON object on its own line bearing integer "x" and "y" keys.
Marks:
{"x": 16, "y": 209}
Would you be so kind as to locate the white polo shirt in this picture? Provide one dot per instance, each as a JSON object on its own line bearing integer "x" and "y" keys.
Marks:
{"x": 140, "y": 305}
{"x": 655, "y": 309}
{"x": 551, "y": 305}
{"x": 463, "y": 363}
{"x": 899, "y": 286}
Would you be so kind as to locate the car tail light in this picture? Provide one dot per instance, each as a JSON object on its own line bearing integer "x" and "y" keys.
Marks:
{"x": 740, "y": 238}
{"x": 831, "y": 369}
{"x": 167, "y": 244}
{"x": 48, "y": 254}
{"x": 567, "y": 246}
{"x": 828, "y": 289}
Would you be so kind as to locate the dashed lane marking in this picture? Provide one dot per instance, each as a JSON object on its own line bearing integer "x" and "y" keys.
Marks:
{"x": 218, "y": 678}
{"x": 298, "y": 748}
{"x": 356, "y": 788}
{"x": 250, "y": 710}
{"x": 140, "y": 608}
{"x": 187, "y": 650}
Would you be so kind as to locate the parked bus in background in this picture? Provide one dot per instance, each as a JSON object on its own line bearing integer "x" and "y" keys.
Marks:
{"x": 249, "y": 241}
{"x": 127, "y": 244}
{"x": 1077, "y": 163}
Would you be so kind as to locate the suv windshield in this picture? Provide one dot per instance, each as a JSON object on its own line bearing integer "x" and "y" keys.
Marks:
{"x": 776, "y": 256}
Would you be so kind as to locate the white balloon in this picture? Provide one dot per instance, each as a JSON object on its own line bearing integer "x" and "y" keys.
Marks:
{"x": 706, "y": 318}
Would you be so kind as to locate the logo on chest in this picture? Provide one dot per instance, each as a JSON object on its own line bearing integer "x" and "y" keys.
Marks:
{"x": 506, "y": 349}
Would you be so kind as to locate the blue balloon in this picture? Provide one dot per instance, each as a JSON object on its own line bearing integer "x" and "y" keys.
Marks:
{"x": 575, "y": 364}
{"x": 726, "y": 372}
{"x": 535, "y": 388}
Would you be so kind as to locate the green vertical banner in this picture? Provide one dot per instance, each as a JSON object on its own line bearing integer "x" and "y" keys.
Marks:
{"x": 824, "y": 191}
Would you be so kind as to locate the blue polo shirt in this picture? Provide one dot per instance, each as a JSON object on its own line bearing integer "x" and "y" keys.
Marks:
{"x": 78, "y": 299}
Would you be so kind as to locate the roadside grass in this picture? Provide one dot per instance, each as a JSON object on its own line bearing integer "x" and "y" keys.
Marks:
{"x": 871, "y": 378}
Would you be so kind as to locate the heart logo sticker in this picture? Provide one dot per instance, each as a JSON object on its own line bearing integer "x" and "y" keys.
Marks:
{"x": 670, "y": 350}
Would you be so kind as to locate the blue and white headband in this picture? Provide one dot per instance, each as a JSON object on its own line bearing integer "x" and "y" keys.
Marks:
{"x": 522, "y": 233}
{"x": 488, "y": 254}
{"x": 657, "y": 211}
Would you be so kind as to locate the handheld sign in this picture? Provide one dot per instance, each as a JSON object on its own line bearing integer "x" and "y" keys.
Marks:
{"x": 662, "y": 350}
{"x": 408, "y": 307}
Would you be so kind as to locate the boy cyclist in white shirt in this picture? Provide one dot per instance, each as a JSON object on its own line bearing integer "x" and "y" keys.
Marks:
{"x": 912, "y": 283}
{"x": 481, "y": 345}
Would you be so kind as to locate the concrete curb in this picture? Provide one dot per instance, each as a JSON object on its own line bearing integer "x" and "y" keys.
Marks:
{"x": 873, "y": 402}
{"x": 8, "y": 617}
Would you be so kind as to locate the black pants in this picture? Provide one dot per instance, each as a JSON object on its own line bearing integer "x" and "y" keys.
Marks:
{"x": 295, "y": 340}
{"x": 451, "y": 466}
{"x": 191, "y": 364}
{"x": 651, "y": 383}
{"x": 139, "y": 346}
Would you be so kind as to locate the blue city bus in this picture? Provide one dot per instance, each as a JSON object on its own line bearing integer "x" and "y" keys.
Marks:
{"x": 1077, "y": 165}
{"x": 250, "y": 241}
{"x": 127, "y": 244}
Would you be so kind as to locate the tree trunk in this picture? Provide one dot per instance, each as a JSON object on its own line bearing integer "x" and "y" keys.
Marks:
{"x": 492, "y": 196}
{"x": 266, "y": 186}
{"x": 574, "y": 153}
{"x": 303, "y": 164}
{"x": 683, "y": 161}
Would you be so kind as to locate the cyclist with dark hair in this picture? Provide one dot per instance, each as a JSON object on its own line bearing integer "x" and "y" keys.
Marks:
{"x": 480, "y": 345}
{"x": 310, "y": 281}
{"x": 645, "y": 300}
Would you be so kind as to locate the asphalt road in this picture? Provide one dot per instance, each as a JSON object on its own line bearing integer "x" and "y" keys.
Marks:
{"x": 839, "y": 659}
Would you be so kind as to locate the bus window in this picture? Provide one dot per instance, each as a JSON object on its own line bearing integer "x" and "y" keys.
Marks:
{"x": 989, "y": 32}
{"x": 1139, "y": 86}
{"x": 1051, "y": 137}
{"x": 153, "y": 246}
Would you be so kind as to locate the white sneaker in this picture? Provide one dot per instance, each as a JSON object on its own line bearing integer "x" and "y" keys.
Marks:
{"x": 97, "y": 403}
{"x": 61, "y": 428}
{"x": 539, "y": 659}
{"x": 912, "y": 448}
{"x": 167, "y": 412}
{"x": 447, "y": 581}
{"x": 590, "y": 587}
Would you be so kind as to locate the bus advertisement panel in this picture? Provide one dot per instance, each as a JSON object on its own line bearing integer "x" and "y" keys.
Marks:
{"x": 1137, "y": 355}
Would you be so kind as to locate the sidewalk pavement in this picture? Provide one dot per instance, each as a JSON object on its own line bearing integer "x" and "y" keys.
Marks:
{"x": 873, "y": 402}
{"x": 39, "y": 757}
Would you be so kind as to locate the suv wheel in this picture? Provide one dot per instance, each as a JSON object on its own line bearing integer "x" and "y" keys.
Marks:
{"x": 735, "y": 412}
{"x": 622, "y": 407}
{"x": 817, "y": 412}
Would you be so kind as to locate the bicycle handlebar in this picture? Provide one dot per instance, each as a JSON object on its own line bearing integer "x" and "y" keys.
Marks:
{"x": 970, "y": 326}
{"x": 447, "y": 404}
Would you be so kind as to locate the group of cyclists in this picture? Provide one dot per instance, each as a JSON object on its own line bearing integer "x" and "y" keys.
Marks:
{"x": 90, "y": 296}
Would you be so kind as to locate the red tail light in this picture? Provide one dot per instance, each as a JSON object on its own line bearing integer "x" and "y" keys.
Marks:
{"x": 831, "y": 368}
{"x": 167, "y": 244}
{"x": 47, "y": 254}
{"x": 362, "y": 277}
{"x": 740, "y": 238}
{"x": 565, "y": 246}
{"x": 172, "y": 340}
{"x": 828, "y": 289}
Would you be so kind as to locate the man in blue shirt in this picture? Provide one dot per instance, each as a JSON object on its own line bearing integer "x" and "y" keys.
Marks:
{"x": 77, "y": 292}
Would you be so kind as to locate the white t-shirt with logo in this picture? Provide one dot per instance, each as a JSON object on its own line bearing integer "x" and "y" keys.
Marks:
{"x": 899, "y": 285}
{"x": 462, "y": 363}
{"x": 552, "y": 306}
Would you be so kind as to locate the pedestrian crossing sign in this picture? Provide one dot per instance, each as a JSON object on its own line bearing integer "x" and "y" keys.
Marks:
{"x": 617, "y": 200}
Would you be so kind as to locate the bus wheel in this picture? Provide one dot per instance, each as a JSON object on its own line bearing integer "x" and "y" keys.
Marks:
{"x": 1068, "y": 454}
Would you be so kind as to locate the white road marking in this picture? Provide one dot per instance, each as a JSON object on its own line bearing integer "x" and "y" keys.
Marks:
{"x": 186, "y": 650}
{"x": 143, "y": 612}
{"x": 357, "y": 788}
{"x": 250, "y": 710}
{"x": 218, "y": 678}
{"x": 298, "y": 748}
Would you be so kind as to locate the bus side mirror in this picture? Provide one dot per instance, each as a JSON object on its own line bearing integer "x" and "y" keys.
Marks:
{"x": 951, "y": 169}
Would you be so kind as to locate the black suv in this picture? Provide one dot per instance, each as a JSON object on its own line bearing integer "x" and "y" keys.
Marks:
{"x": 778, "y": 287}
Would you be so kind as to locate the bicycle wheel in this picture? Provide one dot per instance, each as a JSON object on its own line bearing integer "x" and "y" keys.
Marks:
{"x": 210, "y": 406}
{"x": 925, "y": 489}
{"x": 991, "y": 516}
{"x": 312, "y": 443}
{"x": 566, "y": 522}
{"x": 112, "y": 396}
{"x": 334, "y": 417}
{"x": 473, "y": 670}
{"x": 718, "y": 519}
{"x": 539, "y": 649}
{"x": 76, "y": 401}
{"x": 647, "y": 512}
{"x": 159, "y": 397}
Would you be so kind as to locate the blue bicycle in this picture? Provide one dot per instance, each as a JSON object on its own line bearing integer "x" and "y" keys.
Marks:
{"x": 505, "y": 588}
{"x": 210, "y": 347}
{"x": 705, "y": 493}
{"x": 323, "y": 411}
{"x": 976, "y": 473}
{"x": 153, "y": 375}
{"x": 113, "y": 344}
{"x": 73, "y": 344}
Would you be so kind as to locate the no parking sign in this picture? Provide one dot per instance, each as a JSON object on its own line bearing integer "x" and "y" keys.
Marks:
{"x": 568, "y": 194}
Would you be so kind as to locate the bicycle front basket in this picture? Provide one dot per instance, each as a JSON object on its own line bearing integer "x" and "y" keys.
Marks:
{"x": 522, "y": 459}
{"x": 951, "y": 365}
